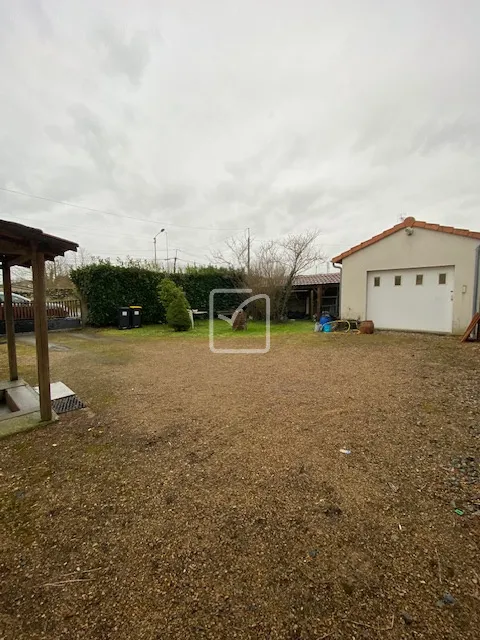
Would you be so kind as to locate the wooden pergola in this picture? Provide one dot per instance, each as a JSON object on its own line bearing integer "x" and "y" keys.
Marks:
{"x": 29, "y": 247}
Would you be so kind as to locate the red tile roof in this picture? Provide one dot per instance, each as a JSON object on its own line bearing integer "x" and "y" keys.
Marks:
{"x": 408, "y": 222}
{"x": 317, "y": 278}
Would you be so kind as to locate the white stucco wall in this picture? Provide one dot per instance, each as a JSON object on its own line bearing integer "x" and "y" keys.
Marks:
{"x": 400, "y": 251}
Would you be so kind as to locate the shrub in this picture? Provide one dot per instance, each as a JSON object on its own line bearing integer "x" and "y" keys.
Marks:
{"x": 167, "y": 292}
{"x": 177, "y": 313}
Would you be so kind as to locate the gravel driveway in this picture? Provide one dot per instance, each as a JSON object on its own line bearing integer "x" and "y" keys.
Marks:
{"x": 206, "y": 496}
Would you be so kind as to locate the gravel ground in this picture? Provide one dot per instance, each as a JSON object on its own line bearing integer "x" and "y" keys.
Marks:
{"x": 206, "y": 496}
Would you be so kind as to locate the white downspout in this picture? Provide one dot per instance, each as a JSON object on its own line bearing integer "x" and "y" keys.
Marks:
{"x": 339, "y": 266}
{"x": 476, "y": 297}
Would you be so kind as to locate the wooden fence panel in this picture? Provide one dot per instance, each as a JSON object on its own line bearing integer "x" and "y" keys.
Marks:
{"x": 55, "y": 309}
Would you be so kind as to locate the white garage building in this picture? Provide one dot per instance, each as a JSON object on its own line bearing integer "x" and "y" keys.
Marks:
{"x": 415, "y": 276}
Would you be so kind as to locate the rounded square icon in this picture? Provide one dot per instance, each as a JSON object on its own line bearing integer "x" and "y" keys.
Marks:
{"x": 211, "y": 318}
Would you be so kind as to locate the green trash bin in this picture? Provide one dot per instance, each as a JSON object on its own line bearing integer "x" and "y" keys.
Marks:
{"x": 135, "y": 316}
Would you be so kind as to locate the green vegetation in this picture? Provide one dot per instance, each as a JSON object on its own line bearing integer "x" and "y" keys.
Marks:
{"x": 222, "y": 330}
{"x": 167, "y": 291}
{"x": 177, "y": 313}
{"x": 104, "y": 287}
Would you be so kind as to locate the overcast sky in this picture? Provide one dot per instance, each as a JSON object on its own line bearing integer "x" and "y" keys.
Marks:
{"x": 279, "y": 115}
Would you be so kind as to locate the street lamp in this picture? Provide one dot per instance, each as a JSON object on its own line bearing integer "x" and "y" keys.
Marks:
{"x": 155, "y": 244}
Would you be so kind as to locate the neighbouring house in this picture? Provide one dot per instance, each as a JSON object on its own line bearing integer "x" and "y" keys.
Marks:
{"x": 314, "y": 294}
{"x": 414, "y": 276}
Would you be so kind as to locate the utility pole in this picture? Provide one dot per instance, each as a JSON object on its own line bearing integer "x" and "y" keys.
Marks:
{"x": 155, "y": 244}
{"x": 248, "y": 251}
{"x": 175, "y": 261}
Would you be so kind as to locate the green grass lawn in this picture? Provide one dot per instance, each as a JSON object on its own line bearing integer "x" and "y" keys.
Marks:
{"x": 221, "y": 330}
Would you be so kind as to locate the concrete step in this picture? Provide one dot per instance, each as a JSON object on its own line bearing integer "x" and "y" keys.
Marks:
{"x": 22, "y": 398}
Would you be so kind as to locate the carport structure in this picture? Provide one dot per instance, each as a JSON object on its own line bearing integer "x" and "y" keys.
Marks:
{"x": 29, "y": 247}
{"x": 314, "y": 294}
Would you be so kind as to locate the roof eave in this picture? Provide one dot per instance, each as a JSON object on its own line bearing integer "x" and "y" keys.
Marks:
{"x": 408, "y": 222}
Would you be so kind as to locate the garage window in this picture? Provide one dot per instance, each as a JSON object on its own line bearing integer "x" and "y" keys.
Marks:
{"x": 442, "y": 278}
{"x": 419, "y": 279}
{"x": 376, "y": 281}
{"x": 398, "y": 281}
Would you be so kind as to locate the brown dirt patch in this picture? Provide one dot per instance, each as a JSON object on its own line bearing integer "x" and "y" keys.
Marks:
{"x": 205, "y": 496}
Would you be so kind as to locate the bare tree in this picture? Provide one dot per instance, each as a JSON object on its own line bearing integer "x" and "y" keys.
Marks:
{"x": 273, "y": 267}
{"x": 300, "y": 253}
{"x": 236, "y": 254}
{"x": 267, "y": 275}
{"x": 82, "y": 258}
{"x": 57, "y": 272}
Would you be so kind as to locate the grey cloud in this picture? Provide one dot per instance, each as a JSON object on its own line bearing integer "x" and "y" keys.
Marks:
{"x": 462, "y": 133}
{"x": 123, "y": 55}
{"x": 40, "y": 17}
{"x": 375, "y": 129}
{"x": 301, "y": 200}
{"x": 232, "y": 192}
{"x": 257, "y": 181}
{"x": 90, "y": 133}
{"x": 236, "y": 121}
{"x": 95, "y": 139}
{"x": 162, "y": 203}
{"x": 275, "y": 155}
{"x": 320, "y": 206}
{"x": 69, "y": 183}
{"x": 175, "y": 196}
{"x": 471, "y": 202}
{"x": 54, "y": 132}
{"x": 253, "y": 180}
{"x": 74, "y": 182}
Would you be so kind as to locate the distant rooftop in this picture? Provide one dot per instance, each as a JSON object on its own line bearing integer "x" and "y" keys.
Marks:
{"x": 317, "y": 278}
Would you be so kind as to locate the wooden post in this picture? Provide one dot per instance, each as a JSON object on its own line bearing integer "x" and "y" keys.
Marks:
{"x": 311, "y": 303}
{"x": 319, "y": 301}
{"x": 9, "y": 321}
{"x": 41, "y": 334}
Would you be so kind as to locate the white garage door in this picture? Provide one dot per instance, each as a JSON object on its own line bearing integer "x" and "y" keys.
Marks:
{"x": 411, "y": 299}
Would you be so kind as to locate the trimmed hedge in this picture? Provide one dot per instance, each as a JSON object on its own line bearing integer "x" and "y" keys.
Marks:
{"x": 104, "y": 287}
{"x": 197, "y": 282}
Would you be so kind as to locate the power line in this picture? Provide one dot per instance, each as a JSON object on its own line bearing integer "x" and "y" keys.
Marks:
{"x": 194, "y": 255}
{"x": 123, "y": 235}
{"x": 91, "y": 233}
{"x": 111, "y": 213}
{"x": 145, "y": 252}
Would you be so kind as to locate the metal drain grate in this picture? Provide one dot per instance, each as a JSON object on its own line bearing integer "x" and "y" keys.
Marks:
{"x": 69, "y": 403}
